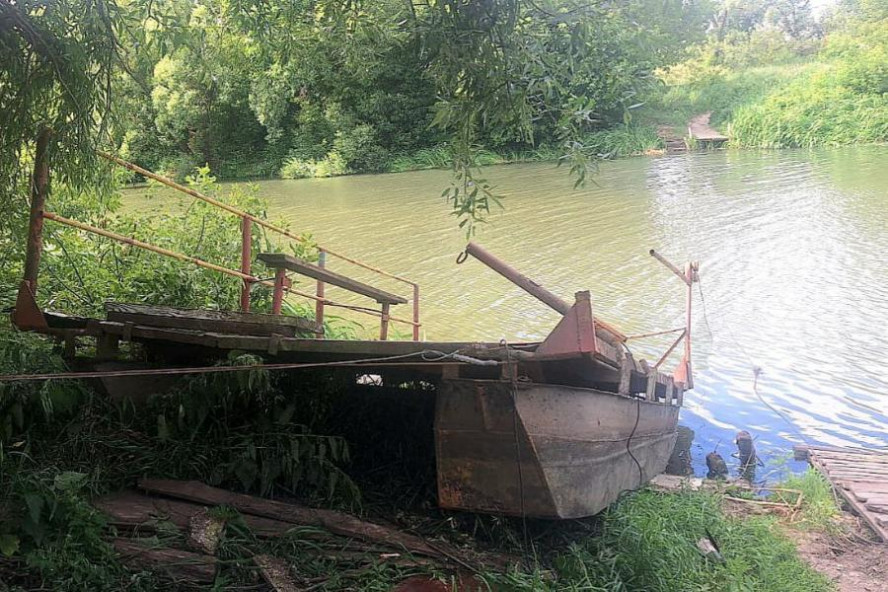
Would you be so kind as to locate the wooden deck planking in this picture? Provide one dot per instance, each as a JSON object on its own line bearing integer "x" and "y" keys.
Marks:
{"x": 295, "y": 349}
{"x": 700, "y": 130}
{"x": 237, "y": 323}
{"x": 861, "y": 478}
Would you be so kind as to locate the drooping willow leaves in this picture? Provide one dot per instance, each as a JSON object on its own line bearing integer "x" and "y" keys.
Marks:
{"x": 211, "y": 81}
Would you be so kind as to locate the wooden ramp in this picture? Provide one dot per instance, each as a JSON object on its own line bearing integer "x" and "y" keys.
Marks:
{"x": 860, "y": 475}
{"x": 705, "y": 135}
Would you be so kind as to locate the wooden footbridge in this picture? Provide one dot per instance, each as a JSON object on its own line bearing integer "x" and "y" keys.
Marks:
{"x": 859, "y": 475}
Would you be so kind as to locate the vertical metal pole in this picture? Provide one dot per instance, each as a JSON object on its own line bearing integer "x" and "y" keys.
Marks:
{"x": 280, "y": 284}
{"x": 246, "y": 260}
{"x": 39, "y": 191}
{"x": 384, "y": 324}
{"x": 319, "y": 305}
{"x": 415, "y": 312}
{"x": 689, "y": 274}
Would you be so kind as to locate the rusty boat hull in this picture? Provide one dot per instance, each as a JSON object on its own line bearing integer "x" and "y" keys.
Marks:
{"x": 547, "y": 451}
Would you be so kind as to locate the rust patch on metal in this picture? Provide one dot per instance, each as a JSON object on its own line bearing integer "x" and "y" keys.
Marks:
{"x": 27, "y": 315}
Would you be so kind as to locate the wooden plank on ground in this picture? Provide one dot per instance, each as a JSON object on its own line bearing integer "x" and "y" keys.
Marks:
{"x": 290, "y": 263}
{"x": 209, "y": 320}
{"x": 335, "y": 522}
{"x": 860, "y": 479}
{"x": 136, "y": 511}
{"x": 175, "y": 563}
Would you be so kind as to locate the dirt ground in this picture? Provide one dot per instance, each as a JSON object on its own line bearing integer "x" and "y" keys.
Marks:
{"x": 856, "y": 561}
{"x": 854, "y": 558}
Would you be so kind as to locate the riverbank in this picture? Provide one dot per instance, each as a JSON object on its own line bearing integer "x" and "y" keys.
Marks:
{"x": 620, "y": 141}
{"x": 67, "y": 446}
{"x": 616, "y": 142}
{"x": 789, "y": 96}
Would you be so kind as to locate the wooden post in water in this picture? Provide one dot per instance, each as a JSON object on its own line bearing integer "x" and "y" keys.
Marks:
{"x": 39, "y": 192}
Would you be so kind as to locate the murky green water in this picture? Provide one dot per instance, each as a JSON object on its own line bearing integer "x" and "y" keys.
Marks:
{"x": 793, "y": 249}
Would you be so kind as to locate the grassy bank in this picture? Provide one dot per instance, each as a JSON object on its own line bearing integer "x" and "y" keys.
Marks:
{"x": 619, "y": 141}
{"x": 837, "y": 95}
{"x": 62, "y": 444}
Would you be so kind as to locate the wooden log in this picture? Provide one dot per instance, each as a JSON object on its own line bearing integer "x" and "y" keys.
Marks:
{"x": 610, "y": 333}
{"x": 174, "y": 563}
{"x": 133, "y": 510}
{"x": 336, "y": 522}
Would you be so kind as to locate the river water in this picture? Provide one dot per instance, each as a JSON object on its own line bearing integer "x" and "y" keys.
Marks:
{"x": 793, "y": 249}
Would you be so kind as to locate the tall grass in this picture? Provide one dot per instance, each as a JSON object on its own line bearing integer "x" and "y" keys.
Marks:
{"x": 819, "y": 505}
{"x": 839, "y": 96}
{"x": 722, "y": 92}
{"x": 648, "y": 544}
{"x": 813, "y": 110}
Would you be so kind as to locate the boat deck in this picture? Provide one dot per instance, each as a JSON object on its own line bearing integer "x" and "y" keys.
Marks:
{"x": 186, "y": 337}
{"x": 861, "y": 478}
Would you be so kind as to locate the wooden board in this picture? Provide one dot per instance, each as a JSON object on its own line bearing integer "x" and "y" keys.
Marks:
{"x": 328, "y": 349}
{"x": 860, "y": 476}
{"x": 215, "y": 321}
{"x": 130, "y": 510}
{"x": 175, "y": 563}
{"x": 336, "y": 522}
{"x": 290, "y": 263}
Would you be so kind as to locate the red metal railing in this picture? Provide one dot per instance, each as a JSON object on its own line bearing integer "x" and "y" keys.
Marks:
{"x": 247, "y": 220}
{"x": 684, "y": 372}
{"x": 244, "y": 274}
{"x": 569, "y": 340}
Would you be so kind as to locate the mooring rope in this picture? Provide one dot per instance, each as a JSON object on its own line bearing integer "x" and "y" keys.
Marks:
{"x": 425, "y": 356}
{"x": 756, "y": 369}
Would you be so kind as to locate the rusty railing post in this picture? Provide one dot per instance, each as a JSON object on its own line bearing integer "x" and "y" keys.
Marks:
{"x": 384, "y": 322}
{"x": 281, "y": 283}
{"x": 39, "y": 191}
{"x": 684, "y": 373}
{"x": 319, "y": 304}
{"x": 246, "y": 260}
{"x": 415, "y": 312}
